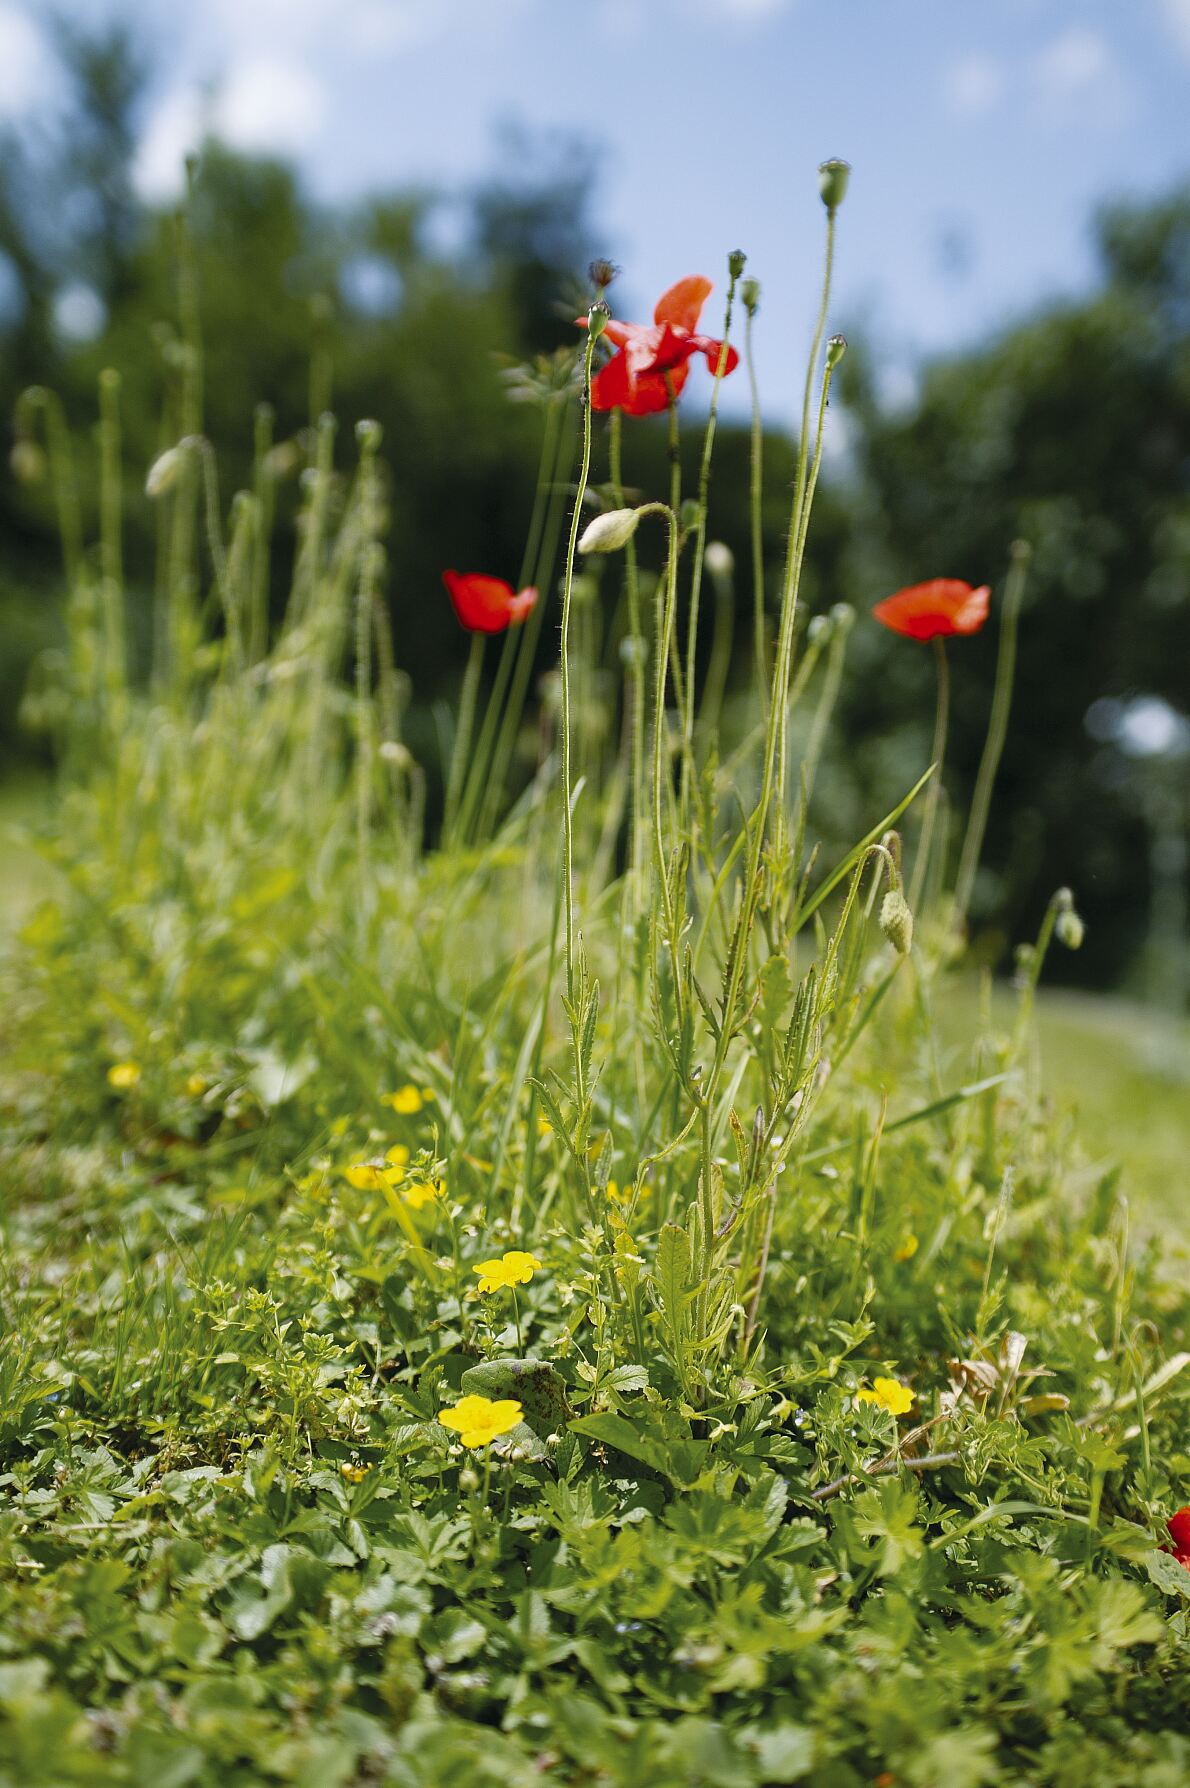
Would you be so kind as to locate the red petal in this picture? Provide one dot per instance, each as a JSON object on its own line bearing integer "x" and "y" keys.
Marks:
{"x": 682, "y": 304}
{"x": 944, "y": 605}
{"x": 614, "y": 388}
{"x": 705, "y": 344}
{"x": 1179, "y": 1532}
{"x": 486, "y": 604}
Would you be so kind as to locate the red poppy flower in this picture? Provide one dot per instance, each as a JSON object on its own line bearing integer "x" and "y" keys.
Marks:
{"x": 945, "y": 605}
{"x": 487, "y": 604}
{"x": 1179, "y": 1533}
{"x": 654, "y": 359}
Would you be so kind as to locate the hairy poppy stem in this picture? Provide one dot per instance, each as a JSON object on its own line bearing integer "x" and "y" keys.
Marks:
{"x": 634, "y": 677}
{"x": 993, "y": 748}
{"x": 564, "y": 653}
{"x": 755, "y": 505}
{"x": 937, "y": 755}
{"x": 700, "y": 533}
{"x": 462, "y": 740}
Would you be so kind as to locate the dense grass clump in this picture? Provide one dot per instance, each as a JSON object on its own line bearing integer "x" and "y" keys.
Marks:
{"x": 800, "y": 1423}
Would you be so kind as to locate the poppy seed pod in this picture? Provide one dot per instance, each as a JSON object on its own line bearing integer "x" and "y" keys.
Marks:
{"x": 1070, "y": 929}
{"x": 896, "y": 921}
{"x": 750, "y": 296}
{"x": 597, "y": 318}
{"x": 609, "y": 532}
{"x": 833, "y": 176}
{"x": 737, "y": 260}
{"x": 836, "y": 347}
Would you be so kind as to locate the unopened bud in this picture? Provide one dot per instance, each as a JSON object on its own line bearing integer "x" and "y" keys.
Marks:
{"x": 750, "y": 296}
{"x": 896, "y": 921}
{"x": 27, "y": 462}
{"x": 468, "y": 1479}
{"x": 836, "y": 347}
{"x": 597, "y": 319}
{"x": 833, "y": 176}
{"x": 737, "y": 260}
{"x": 368, "y": 433}
{"x": 1069, "y": 929}
{"x": 842, "y": 614}
{"x": 609, "y": 532}
{"x": 163, "y": 473}
{"x": 719, "y": 559}
{"x": 688, "y": 514}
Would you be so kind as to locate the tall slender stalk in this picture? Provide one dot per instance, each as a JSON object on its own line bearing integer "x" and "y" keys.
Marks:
{"x": 461, "y": 747}
{"x": 993, "y": 748}
{"x": 756, "y": 498}
{"x": 937, "y": 755}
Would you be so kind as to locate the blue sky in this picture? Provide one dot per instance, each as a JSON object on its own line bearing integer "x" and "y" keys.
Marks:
{"x": 981, "y": 136}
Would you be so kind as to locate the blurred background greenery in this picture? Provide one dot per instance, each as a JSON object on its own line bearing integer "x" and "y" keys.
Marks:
{"x": 1069, "y": 429}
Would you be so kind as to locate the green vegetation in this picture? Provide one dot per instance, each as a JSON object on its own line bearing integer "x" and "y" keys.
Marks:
{"x": 564, "y": 1304}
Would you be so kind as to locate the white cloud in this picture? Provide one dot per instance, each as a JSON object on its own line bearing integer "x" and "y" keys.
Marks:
{"x": 1176, "y": 14}
{"x": 174, "y": 129}
{"x": 973, "y": 85}
{"x": 1077, "y": 76}
{"x": 269, "y": 104}
{"x": 24, "y": 64}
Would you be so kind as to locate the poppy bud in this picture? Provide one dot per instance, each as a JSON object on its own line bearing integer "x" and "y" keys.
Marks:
{"x": 833, "y": 176}
{"x": 163, "y": 473}
{"x": 609, "y": 532}
{"x": 896, "y": 921}
{"x": 836, "y": 347}
{"x": 750, "y": 296}
{"x": 602, "y": 273}
{"x": 737, "y": 260}
{"x": 842, "y": 615}
{"x": 719, "y": 558}
{"x": 597, "y": 318}
{"x": 368, "y": 432}
{"x": 819, "y": 630}
{"x": 1070, "y": 929}
{"x": 27, "y": 461}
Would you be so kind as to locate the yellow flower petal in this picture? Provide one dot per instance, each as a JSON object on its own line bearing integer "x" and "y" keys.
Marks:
{"x": 478, "y": 1420}
{"x": 907, "y": 1249}
{"x": 123, "y": 1075}
{"x": 406, "y": 1101}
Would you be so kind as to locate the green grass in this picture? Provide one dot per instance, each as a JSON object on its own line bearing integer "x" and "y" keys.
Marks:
{"x": 593, "y": 1300}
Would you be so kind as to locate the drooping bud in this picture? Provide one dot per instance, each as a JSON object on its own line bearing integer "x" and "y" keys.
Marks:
{"x": 1068, "y": 927}
{"x": 602, "y": 273}
{"x": 27, "y": 461}
{"x": 737, "y": 260}
{"x": 609, "y": 532}
{"x": 836, "y": 347}
{"x": 719, "y": 559}
{"x": 750, "y": 296}
{"x": 833, "y": 176}
{"x": 163, "y": 473}
{"x": 818, "y": 630}
{"x": 368, "y": 433}
{"x": 896, "y": 921}
{"x": 842, "y": 615}
{"x": 597, "y": 318}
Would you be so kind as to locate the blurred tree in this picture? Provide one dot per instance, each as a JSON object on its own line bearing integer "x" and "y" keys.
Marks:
{"x": 1069, "y": 431}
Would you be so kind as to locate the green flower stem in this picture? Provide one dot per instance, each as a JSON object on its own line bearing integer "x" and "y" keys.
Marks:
{"x": 460, "y": 751}
{"x": 634, "y": 680}
{"x": 755, "y": 506}
{"x": 937, "y": 755}
{"x": 700, "y": 532}
{"x": 567, "y": 600}
{"x": 993, "y": 748}
{"x": 111, "y": 557}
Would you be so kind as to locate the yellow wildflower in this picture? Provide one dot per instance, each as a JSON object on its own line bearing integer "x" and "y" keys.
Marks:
{"x": 479, "y": 1420}
{"x": 420, "y": 1192}
{"x": 513, "y": 1268}
{"x": 406, "y": 1101}
{"x": 907, "y": 1249}
{"x": 353, "y": 1473}
{"x": 397, "y": 1156}
{"x": 889, "y": 1394}
{"x": 544, "y": 1127}
{"x": 123, "y": 1075}
{"x": 196, "y": 1086}
{"x": 365, "y": 1176}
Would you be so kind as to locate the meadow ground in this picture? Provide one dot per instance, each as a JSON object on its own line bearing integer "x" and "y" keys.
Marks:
{"x": 598, "y": 1300}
